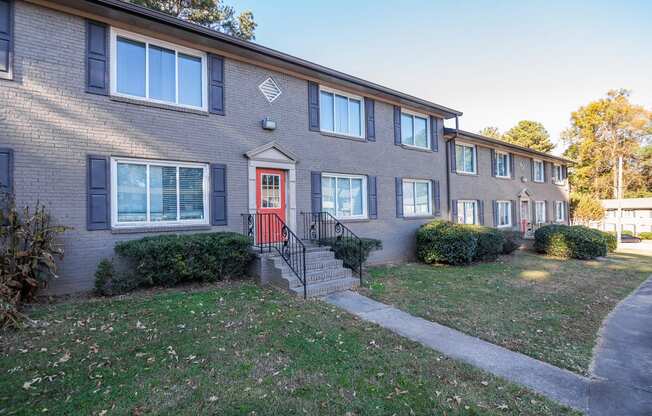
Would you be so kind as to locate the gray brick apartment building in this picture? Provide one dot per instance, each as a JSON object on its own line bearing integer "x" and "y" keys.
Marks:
{"x": 127, "y": 122}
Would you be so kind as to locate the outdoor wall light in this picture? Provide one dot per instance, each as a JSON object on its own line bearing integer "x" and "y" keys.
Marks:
{"x": 268, "y": 124}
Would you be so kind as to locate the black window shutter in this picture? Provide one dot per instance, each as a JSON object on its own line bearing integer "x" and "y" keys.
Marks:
{"x": 6, "y": 172}
{"x": 97, "y": 62}
{"x": 98, "y": 199}
{"x": 547, "y": 214}
{"x": 436, "y": 128}
{"x": 397, "y": 125}
{"x": 6, "y": 38}
{"x": 514, "y": 221}
{"x": 218, "y": 194}
{"x": 399, "y": 197}
{"x": 454, "y": 210}
{"x": 480, "y": 211}
{"x": 493, "y": 162}
{"x": 545, "y": 172}
{"x": 370, "y": 124}
{"x": 566, "y": 213}
{"x": 494, "y": 209}
{"x": 313, "y": 106}
{"x": 437, "y": 197}
{"x": 315, "y": 191}
{"x": 372, "y": 197}
{"x": 452, "y": 156}
{"x": 532, "y": 169}
{"x": 512, "y": 165}
{"x": 564, "y": 172}
{"x": 216, "y": 85}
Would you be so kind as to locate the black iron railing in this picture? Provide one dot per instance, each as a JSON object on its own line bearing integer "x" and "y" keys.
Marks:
{"x": 268, "y": 233}
{"x": 326, "y": 230}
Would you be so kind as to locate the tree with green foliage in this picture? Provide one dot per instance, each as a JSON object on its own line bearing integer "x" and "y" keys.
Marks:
{"x": 530, "y": 134}
{"x": 601, "y": 132}
{"x": 492, "y": 132}
{"x": 210, "y": 13}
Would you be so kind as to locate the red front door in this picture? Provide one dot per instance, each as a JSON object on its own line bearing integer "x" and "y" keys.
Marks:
{"x": 270, "y": 199}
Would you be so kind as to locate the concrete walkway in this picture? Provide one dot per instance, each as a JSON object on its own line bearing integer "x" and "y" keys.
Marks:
{"x": 622, "y": 361}
{"x": 560, "y": 385}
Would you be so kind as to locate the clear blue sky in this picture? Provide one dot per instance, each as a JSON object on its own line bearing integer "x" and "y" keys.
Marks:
{"x": 498, "y": 62}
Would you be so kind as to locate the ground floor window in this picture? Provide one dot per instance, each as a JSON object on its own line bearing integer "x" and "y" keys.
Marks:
{"x": 467, "y": 212}
{"x": 504, "y": 213}
{"x": 560, "y": 211}
{"x": 148, "y": 193}
{"x": 344, "y": 196}
{"x": 540, "y": 212}
{"x": 417, "y": 197}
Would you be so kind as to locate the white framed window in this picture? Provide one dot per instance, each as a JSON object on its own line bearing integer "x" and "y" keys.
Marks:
{"x": 465, "y": 158}
{"x": 417, "y": 197}
{"x": 558, "y": 174}
{"x": 538, "y": 171}
{"x": 539, "y": 212}
{"x": 341, "y": 113}
{"x": 270, "y": 191}
{"x": 560, "y": 211}
{"x": 344, "y": 196}
{"x": 502, "y": 165}
{"x": 467, "y": 212}
{"x": 147, "y": 69}
{"x": 504, "y": 214}
{"x": 158, "y": 193}
{"x": 415, "y": 131}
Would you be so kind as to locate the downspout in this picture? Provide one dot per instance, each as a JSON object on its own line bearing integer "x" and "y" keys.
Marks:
{"x": 448, "y": 168}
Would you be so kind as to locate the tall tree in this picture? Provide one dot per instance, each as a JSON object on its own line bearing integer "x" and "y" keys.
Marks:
{"x": 529, "y": 134}
{"x": 492, "y": 132}
{"x": 602, "y": 131}
{"x": 209, "y": 13}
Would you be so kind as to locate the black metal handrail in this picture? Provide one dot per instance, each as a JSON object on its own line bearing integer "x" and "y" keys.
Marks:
{"x": 268, "y": 232}
{"x": 324, "y": 229}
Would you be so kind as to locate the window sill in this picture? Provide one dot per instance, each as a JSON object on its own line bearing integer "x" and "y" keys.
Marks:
{"x": 417, "y": 149}
{"x": 506, "y": 178}
{"x": 353, "y": 220}
{"x": 169, "y": 107}
{"x": 419, "y": 217}
{"x": 7, "y": 76}
{"x": 139, "y": 230}
{"x": 466, "y": 173}
{"x": 342, "y": 136}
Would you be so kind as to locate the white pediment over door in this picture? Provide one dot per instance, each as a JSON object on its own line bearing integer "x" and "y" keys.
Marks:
{"x": 272, "y": 152}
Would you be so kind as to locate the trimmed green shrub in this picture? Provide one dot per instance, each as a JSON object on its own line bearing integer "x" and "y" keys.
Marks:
{"x": 575, "y": 241}
{"x": 350, "y": 251}
{"x": 646, "y": 235}
{"x": 611, "y": 241}
{"x": 444, "y": 242}
{"x": 109, "y": 282}
{"x": 169, "y": 259}
{"x": 512, "y": 241}
{"x": 628, "y": 232}
{"x": 490, "y": 243}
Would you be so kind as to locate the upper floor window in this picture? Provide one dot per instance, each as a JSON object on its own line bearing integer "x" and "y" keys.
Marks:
{"x": 504, "y": 214}
{"x": 539, "y": 212}
{"x": 158, "y": 193}
{"x": 560, "y": 211}
{"x": 558, "y": 174}
{"x": 414, "y": 130}
{"x": 417, "y": 197}
{"x": 502, "y": 165}
{"x": 467, "y": 212}
{"x": 465, "y": 158}
{"x": 341, "y": 113}
{"x": 538, "y": 171}
{"x": 157, "y": 71}
{"x": 344, "y": 196}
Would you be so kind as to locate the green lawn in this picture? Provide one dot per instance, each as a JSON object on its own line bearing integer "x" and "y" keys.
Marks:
{"x": 546, "y": 308}
{"x": 232, "y": 350}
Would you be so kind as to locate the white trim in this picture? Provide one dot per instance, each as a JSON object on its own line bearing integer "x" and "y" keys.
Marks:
{"x": 543, "y": 171}
{"x": 414, "y": 114}
{"x": 115, "y": 33}
{"x": 508, "y": 167}
{"x": 291, "y": 187}
{"x": 509, "y": 214}
{"x": 349, "y": 96}
{"x": 475, "y": 158}
{"x": 280, "y": 182}
{"x": 543, "y": 211}
{"x": 336, "y": 176}
{"x": 475, "y": 210}
{"x": 430, "y": 202}
{"x": 148, "y": 222}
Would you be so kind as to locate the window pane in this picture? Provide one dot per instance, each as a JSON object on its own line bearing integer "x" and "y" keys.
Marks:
{"x": 356, "y": 196}
{"x": 355, "y": 124}
{"x": 161, "y": 74}
{"x": 459, "y": 157}
{"x": 408, "y": 198}
{"x": 341, "y": 114}
{"x": 343, "y": 197}
{"x": 132, "y": 193}
{"x": 190, "y": 80}
{"x": 191, "y": 193}
{"x": 422, "y": 202}
{"x": 163, "y": 193}
{"x": 420, "y": 132}
{"x": 469, "y": 212}
{"x": 131, "y": 67}
{"x": 407, "y": 129}
{"x": 326, "y": 111}
{"x": 328, "y": 195}
{"x": 461, "y": 212}
{"x": 502, "y": 165}
{"x": 468, "y": 159}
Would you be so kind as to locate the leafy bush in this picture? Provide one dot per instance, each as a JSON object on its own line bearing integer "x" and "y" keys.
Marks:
{"x": 512, "y": 241}
{"x": 109, "y": 282}
{"x": 490, "y": 243}
{"x": 574, "y": 241}
{"x": 351, "y": 252}
{"x": 628, "y": 232}
{"x": 28, "y": 249}
{"x": 168, "y": 259}
{"x": 443, "y": 242}
{"x": 611, "y": 241}
{"x": 646, "y": 235}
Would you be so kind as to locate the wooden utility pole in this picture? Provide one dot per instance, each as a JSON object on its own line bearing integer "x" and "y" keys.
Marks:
{"x": 619, "y": 195}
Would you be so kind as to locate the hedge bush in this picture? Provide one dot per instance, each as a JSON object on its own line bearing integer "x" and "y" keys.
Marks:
{"x": 350, "y": 251}
{"x": 169, "y": 259}
{"x": 646, "y": 235}
{"x": 490, "y": 243}
{"x": 443, "y": 242}
{"x": 575, "y": 241}
{"x": 512, "y": 241}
